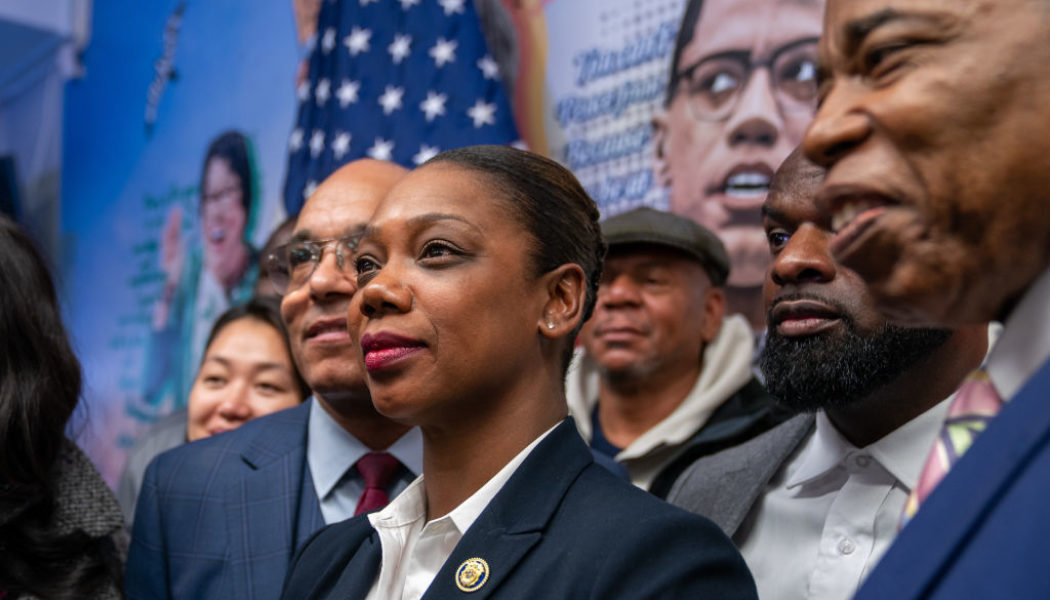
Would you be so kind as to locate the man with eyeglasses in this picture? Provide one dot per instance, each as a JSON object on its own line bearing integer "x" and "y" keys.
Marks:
{"x": 223, "y": 517}
{"x": 741, "y": 91}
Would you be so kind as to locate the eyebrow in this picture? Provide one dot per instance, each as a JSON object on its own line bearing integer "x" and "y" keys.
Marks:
{"x": 768, "y": 212}
{"x": 304, "y": 235}
{"x": 421, "y": 221}
{"x": 263, "y": 366}
{"x": 857, "y": 30}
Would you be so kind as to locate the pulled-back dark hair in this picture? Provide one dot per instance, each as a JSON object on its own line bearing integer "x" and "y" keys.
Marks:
{"x": 235, "y": 149}
{"x": 268, "y": 310}
{"x": 551, "y": 205}
{"x": 39, "y": 389}
{"x": 686, "y": 31}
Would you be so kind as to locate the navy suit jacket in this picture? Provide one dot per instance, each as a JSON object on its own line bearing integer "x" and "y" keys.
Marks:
{"x": 222, "y": 517}
{"x": 561, "y": 527}
{"x": 984, "y": 530}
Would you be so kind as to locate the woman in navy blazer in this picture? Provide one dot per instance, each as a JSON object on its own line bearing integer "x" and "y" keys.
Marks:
{"x": 475, "y": 274}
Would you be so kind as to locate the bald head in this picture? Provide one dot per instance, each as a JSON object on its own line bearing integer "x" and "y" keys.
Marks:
{"x": 360, "y": 179}
{"x": 797, "y": 176}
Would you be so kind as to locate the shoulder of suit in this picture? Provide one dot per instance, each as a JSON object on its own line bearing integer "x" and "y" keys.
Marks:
{"x": 710, "y": 469}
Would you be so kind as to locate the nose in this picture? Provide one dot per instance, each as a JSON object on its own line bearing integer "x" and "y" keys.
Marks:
{"x": 805, "y": 258}
{"x": 329, "y": 279}
{"x": 618, "y": 291}
{"x": 756, "y": 120}
{"x": 236, "y": 406}
{"x": 385, "y": 293}
{"x": 838, "y": 127}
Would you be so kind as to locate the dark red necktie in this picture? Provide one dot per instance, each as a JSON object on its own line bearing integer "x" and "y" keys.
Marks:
{"x": 377, "y": 469}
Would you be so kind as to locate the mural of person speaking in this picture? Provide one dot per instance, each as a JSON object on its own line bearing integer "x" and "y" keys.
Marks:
{"x": 741, "y": 91}
{"x": 201, "y": 283}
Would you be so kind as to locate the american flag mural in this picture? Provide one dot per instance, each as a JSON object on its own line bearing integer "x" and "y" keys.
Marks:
{"x": 397, "y": 80}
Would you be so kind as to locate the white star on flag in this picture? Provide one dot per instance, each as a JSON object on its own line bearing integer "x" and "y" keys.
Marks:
{"x": 434, "y": 105}
{"x": 323, "y": 91}
{"x": 444, "y": 51}
{"x": 309, "y": 188}
{"x": 399, "y": 48}
{"x": 391, "y": 99}
{"x": 381, "y": 150}
{"x": 347, "y": 92}
{"x": 358, "y": 41}
{"x": 407, "y": 4}
{"x": 303, "y": 91}
{"x": 316, "y": 143}
{"x": 451, "y": 6}
{"x": 341, "y": 145}
{"x": 367, "y": 2}
{"x": 489, "y": 68}
{"x": 328, "y": 41}
{"x": 295, "y": 141}
{"x": 425, "y": 153}
{"x": 482, "y": 113}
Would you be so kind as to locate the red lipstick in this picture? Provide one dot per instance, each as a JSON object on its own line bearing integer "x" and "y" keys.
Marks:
{"x": 383, "y": 350}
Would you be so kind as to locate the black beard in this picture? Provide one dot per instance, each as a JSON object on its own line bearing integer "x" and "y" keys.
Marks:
{"x": 835, "y": 369}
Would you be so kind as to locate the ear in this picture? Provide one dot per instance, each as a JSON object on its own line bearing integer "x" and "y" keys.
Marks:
{"x": 661, "y": 168}
{"x": 714, "y": 313}
{"x": 566, "y": 289}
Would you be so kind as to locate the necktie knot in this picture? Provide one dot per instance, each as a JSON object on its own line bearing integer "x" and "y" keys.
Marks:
{"x": 378, "y": 470}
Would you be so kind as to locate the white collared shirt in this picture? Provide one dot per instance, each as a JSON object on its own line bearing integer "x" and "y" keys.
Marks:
{"x": 832, "y": 510}
{"x": 331, "y": 451}
{"x": 1025, "y": 343}
{"x": 414, "y": 551}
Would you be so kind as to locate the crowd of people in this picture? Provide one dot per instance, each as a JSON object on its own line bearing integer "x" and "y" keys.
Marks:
{"x": 470, "y": 384}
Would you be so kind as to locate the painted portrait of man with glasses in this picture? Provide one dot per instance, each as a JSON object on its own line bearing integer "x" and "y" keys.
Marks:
{"x": 741, "y": 91}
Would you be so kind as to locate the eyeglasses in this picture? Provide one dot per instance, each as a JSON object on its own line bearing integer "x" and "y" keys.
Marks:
{"x": 715, "y": 84}
{"x": 290, "y": 266}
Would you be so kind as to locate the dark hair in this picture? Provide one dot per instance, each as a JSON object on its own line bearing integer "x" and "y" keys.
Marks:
{"x": 267, "y": 310}
{"x": 690, "y": 17}
{"x": 551, "y": 204}
{"x": 234, "y": 148}
{"x": 39, "y": 388}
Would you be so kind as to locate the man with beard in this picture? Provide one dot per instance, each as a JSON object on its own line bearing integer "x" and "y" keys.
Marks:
{"x": 664, "y": 377}
{"x": 814, "y": 503}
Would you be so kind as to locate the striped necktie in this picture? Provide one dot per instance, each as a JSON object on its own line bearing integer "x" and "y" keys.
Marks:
{"x": 975, "y": 404}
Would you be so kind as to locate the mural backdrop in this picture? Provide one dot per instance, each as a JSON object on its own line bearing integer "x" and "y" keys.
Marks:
{"x": 178, "y": 141}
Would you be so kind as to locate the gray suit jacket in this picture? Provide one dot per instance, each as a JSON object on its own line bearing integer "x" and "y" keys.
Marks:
{"x": 725, "y": 486}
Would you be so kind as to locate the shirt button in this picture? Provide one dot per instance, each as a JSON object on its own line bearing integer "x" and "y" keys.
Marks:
{"x": 846, "y": 546}
{"x": 862, "y": 461}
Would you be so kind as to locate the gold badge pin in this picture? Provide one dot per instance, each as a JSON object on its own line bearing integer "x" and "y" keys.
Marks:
{"x": 472, "y": 574}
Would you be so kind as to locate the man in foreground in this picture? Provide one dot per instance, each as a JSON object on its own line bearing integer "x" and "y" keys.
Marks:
{"x": 934, "y": 131}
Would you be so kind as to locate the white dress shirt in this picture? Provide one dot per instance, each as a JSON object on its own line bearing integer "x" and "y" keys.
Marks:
{"x": 331, "y": 452}
{"x": 832, "y": 510}
{"x": 414, "y": 551}
{"x": 1025, "y": 343}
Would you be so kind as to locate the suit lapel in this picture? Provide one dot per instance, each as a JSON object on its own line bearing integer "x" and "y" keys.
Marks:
{"x": 970, "y": 490}
{"x": 751, "y": 476}
{"x": 262, "y": 506}
{"x": 516, "y": 518}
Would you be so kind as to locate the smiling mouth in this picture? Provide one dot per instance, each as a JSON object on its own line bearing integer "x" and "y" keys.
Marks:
{"x": 853, "y": 209}
{"x": 334, "y": 330}
{"x": 747, "y": 185}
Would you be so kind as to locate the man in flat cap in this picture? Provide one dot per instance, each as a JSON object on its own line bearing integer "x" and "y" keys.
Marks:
{"x": 664, "y": 377}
